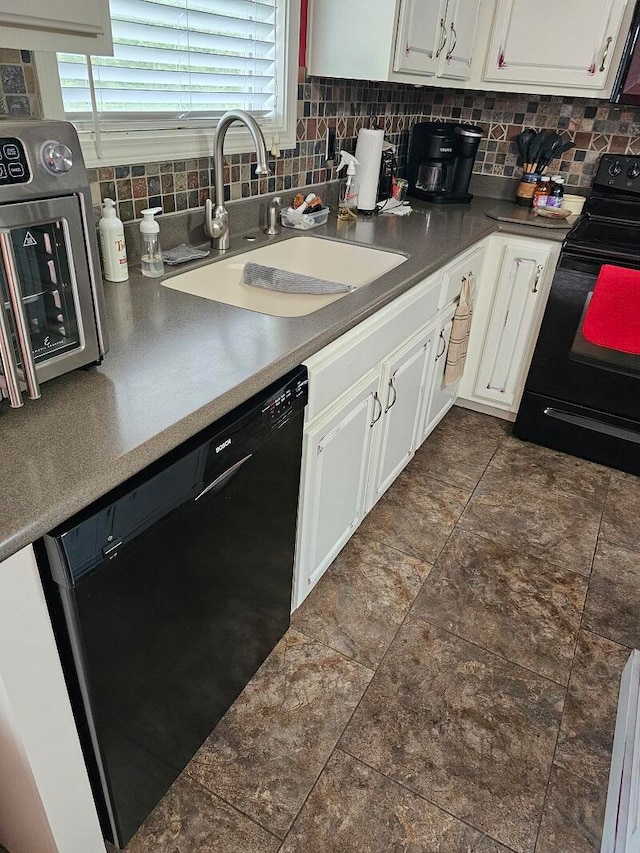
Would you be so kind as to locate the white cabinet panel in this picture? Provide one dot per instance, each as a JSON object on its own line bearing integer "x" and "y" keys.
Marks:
{"x": 421, "y": 38}
{"x": 461, "y": 26}
{"x": 335, "y": 467}
{"x": 519, "y": 52}
{"x": 442, "y": 396}
{"x": 402, "y": 384}
{"x": 79, "y": 26}
{"x": 514, "y": 306}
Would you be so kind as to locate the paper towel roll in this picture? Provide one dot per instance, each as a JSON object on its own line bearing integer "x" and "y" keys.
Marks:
{"x": 368, "y": 155}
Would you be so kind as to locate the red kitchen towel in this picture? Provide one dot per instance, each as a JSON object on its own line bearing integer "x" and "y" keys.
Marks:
{"x": 613, "y": 316}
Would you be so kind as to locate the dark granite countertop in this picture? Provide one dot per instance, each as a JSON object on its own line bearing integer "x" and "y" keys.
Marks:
{"x": 178, "y": 362}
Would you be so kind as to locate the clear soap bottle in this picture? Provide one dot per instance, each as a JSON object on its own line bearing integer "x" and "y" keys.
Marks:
{"x": 349, "y": 188}
{"x": 151, "y": 263}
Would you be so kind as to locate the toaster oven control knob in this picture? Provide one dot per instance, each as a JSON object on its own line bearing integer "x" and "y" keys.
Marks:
{"x": 615, "y": 169}
{"x": 57, "y": 157}
{"x": 634, "y": 171}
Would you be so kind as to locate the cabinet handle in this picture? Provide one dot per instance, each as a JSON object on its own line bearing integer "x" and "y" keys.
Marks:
{"x": 376, "y": 401}
{"x": 392, "y": 387}
{"x": 443, "y": 30}
{"x": 536, "y": 281}
{"x": 455, "y": 42}
{"x": 444, "y": 345}
{"x": 606, "y": 53}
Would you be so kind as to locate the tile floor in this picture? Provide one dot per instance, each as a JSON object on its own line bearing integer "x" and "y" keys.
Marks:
{"x": 451, "y": 683}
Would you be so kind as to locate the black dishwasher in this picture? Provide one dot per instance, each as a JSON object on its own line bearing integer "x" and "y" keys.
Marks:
{"x": 169, "y": 593}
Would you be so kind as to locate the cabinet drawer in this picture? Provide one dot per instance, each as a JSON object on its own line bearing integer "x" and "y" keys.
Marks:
{"x": 335, "y": 368}
{"x": 470, "y": 264}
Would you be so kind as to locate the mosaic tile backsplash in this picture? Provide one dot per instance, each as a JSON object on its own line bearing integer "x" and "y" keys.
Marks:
{"x": 595, "y": 125}
{"x": 19, "y": 94}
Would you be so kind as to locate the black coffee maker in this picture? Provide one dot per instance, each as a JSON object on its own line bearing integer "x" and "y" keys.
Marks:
{"x": 441, "y": 160}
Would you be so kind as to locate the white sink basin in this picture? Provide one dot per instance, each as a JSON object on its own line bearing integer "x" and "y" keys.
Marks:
{"x": 331, "y": 260}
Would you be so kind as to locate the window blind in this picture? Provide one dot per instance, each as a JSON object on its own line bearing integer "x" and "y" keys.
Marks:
{"x": 177, "y": 60}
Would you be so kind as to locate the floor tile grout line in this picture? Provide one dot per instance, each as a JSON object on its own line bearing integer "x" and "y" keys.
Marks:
{"x": 344, "y": 728}
{"x": 557, "y": 740}
{"x": 571, "y": 668}
{"x": 486, "y": 537}
{"x": 235, "y": 808}
{"x": 405, "y": 787}
{"x": 491, "y": 652}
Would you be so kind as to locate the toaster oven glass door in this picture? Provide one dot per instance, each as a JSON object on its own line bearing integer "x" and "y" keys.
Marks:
{"x": 44, "y": 261}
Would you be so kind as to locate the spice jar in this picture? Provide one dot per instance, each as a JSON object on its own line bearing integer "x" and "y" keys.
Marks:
{"x": 541, "y": 193}
{"x": 556, "y": 195}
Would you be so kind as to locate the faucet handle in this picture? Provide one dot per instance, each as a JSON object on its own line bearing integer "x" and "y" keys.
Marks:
{"x": 275, "y": 205}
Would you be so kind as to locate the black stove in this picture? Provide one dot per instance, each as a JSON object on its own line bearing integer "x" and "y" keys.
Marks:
{"x": 581, "y": 398}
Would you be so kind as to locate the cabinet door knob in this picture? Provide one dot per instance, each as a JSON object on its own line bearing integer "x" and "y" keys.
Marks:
{"x": 376, "y": 402}
{"x": 444, "y": 345}
{"x": 392, "y": 388}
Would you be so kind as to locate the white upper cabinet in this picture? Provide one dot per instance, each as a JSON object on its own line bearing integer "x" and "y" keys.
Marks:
{"x": 414, "y": 41}
{"x": 79, "y": 26}
{"x": 461, "y": 24}
{"x": 567, "y": 44}
{"x": 422, "y": 36}
{"x": 562, "y": 47}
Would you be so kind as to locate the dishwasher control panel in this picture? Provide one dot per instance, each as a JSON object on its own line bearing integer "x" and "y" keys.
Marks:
{"x": 289, "y": 399}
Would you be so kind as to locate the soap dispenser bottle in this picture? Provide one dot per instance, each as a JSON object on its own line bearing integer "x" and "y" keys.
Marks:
{"x": 112, "y": 246}
{"x": 151, "y": 262}
{"x": 349, "y": 188}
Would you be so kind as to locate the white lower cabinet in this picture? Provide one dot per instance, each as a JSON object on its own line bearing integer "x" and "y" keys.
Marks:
{"x": 403, "y": 384}
{"x": 374, "y": 395}
{"x": 507, "y": 320}
{"x": 335, "y": 468}
{"x": 441, "y": 396}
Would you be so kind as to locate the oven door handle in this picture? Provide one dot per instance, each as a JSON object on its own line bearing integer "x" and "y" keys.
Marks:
{"x": 22, "y": 331}
{"x": 8, "y": 359}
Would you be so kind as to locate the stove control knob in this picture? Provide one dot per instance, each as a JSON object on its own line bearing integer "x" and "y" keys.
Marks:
{"x": 615, "y": 169}
{"x": 57, "y": 157}
{"x": 634, "y": 171}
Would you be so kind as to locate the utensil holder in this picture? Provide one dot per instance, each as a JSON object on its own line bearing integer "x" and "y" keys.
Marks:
{"x": 526, "y": 189}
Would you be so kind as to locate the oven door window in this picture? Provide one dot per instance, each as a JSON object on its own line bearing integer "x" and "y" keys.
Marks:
{"x": 51, "y": 269}
{"x": 43, "y": 261}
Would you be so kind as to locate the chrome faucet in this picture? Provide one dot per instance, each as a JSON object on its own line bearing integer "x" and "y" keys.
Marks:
{"x": 216, "y": 221}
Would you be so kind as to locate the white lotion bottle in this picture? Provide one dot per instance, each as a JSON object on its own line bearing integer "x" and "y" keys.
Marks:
{"x": 112, "y": 245}
{"x": 151, "y": 263}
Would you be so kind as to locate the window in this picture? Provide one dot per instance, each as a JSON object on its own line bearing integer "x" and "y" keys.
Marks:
{"x": 177, "y": 66}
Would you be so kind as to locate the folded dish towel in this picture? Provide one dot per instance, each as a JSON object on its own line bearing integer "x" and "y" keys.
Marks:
{"x": 460, "y": 330}
{"x": 613, "y": 316}
{"x": 271, "y": 278}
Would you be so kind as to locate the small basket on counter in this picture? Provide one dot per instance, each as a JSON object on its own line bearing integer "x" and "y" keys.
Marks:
{"x": 304, "y": 221}
{"x": 305, "y": 213}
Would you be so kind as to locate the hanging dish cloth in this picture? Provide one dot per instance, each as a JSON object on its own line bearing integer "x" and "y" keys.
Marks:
{"x": 460, "y": 330}
{"x": 613, "y": 317}
{"x": 290, "y": 282}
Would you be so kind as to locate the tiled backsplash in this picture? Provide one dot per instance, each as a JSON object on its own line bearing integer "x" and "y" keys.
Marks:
{"x": 19, "y": 95}
{"x": 596, "y": 127}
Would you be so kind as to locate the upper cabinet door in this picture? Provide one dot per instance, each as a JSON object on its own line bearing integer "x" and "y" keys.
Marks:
{"x": 75, "y": 26}
{"x": 461, "y": 25}
{"x": 422, "y": 35}
{"x": 568, "y": 43}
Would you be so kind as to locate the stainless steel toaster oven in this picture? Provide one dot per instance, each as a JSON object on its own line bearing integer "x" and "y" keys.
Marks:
{"x": 51, "y": 299}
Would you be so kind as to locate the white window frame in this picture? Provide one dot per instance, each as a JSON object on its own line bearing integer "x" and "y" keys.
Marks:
{"x": 126, "y": 147}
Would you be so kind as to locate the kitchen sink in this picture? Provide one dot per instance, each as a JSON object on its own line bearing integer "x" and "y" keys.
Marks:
{"x": 331, "y": 260}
